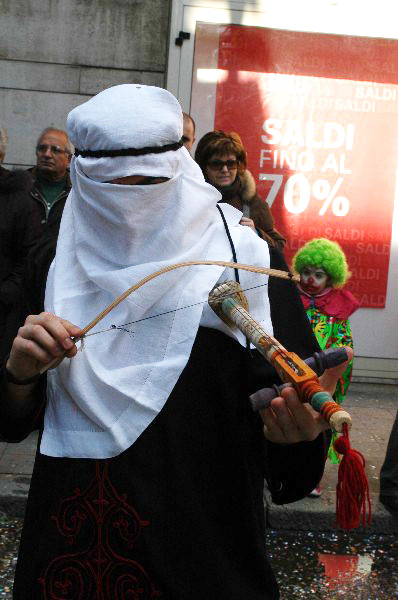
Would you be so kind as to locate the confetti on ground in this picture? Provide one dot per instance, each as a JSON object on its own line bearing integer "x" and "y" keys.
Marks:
{"x": 10, "y": 531}
{"x": 298, "y": 559}
{"x": 304, "y": 566}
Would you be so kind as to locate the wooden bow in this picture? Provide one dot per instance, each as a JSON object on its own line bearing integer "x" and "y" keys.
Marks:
{"x": 190, "y": 263}
{"x": 136, "y": 286}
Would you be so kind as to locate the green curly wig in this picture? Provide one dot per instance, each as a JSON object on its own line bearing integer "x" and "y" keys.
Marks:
{"x": 323, "y": 253}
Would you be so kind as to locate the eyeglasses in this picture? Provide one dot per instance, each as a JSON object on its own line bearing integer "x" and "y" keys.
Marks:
{"x": 53, "y": 149}
{"x": 218, "y": 165}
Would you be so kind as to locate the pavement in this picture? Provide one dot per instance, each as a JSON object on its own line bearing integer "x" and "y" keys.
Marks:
{"x": 373, "y": 407}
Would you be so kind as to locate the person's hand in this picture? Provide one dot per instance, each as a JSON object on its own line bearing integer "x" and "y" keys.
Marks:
{"x": 248, "y": 223}
{"x": 330, "y": 377}
{"x": 42, "y": 339}
{"x": 288, "y": 420}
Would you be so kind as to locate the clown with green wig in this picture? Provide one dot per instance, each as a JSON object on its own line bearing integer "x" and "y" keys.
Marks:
{"x": 323, "y": 271}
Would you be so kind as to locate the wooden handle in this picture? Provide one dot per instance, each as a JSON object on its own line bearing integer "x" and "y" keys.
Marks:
{"x": 230, "y": 304}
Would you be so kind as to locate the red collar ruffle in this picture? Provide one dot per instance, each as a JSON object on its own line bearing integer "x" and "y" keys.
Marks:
{"x": 338, "y": 303}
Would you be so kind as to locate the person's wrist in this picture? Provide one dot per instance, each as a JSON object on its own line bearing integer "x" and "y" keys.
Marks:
{"x": 11, "y": 377}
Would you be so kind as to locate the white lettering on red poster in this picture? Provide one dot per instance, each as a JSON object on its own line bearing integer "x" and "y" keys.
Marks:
{"x": 318, "y": 115}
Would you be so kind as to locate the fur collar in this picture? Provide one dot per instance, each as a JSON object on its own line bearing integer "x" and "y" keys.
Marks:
{"x": 248, "y": 186}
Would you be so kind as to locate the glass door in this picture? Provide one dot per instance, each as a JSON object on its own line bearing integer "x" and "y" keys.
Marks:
{"x": 312, "y": 108}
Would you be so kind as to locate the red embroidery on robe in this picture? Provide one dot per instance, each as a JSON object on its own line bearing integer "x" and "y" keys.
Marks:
{"x": 105, "y": 568}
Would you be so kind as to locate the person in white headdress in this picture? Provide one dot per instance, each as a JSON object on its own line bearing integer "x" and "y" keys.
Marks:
{"x": 148, "y": 480}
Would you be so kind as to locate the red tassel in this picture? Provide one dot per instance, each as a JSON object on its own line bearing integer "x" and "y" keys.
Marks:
{"x": 352, "y": 490}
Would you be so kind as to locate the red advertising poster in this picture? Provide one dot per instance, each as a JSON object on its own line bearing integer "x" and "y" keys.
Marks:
{"x": 318, "y": 115}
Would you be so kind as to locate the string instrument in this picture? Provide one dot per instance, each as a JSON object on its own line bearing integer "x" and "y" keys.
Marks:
{"x": 230, "y": 303}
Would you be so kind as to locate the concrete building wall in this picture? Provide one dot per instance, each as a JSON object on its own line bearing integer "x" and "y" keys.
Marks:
{"x": 55, "y": 54}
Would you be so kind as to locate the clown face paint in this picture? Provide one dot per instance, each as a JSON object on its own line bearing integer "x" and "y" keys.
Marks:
{"x": 313, "y": 280}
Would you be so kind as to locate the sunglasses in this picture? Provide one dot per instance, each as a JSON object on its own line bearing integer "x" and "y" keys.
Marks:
{"x": 217, "y": 165}
{"x": 53, "y": 149}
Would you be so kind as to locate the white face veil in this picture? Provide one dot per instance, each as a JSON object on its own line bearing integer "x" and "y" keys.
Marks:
{"x": 112, "y": 236}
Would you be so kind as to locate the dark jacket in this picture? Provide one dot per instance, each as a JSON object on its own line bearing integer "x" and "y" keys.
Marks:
{"x": 46, "y": 223}
{"x": 17, "y": 236}
{"x": 38, "y": 263}
{"x": 242, "y": 194}
{"x": 42, "y": 218}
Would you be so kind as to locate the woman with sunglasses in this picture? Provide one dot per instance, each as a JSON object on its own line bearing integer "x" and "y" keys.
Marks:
{"x": 223, "y": 161}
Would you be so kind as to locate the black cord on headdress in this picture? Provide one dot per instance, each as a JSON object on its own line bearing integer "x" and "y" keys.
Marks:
{"x": 128, "y": 151}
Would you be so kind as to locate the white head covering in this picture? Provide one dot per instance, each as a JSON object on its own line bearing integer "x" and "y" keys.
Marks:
{"x": 111, "y": 236}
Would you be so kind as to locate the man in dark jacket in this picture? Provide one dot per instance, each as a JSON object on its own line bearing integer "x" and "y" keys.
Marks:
{"x": 16, "y": 238}
{"x": 48, "y": 194}
{"x": 51, "y": 179}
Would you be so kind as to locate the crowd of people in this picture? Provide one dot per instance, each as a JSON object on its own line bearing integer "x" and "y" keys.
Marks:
{"x": 149, "y": 473}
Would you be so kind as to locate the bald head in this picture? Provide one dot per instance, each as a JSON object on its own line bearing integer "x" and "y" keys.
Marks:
{"x": 188, "y": 136}
{"x": 53, "y": 153}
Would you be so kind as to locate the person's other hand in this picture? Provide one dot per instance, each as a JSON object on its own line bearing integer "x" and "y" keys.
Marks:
{"x": 42, "y": 339}
{"x": 288, "y": 420}
{"x": 330, "y": 377}
{"x": 248, "y": 223}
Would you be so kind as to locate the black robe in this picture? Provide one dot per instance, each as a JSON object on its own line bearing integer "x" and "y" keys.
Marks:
{"x": 180, "y": 514}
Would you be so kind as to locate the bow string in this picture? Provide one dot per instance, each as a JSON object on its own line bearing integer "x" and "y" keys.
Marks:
{"x": 262, "y": 270}
{"x": 234, "y": 265}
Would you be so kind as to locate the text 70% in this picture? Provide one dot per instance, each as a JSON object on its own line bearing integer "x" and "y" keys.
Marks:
{"x": 297, "y": 194}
